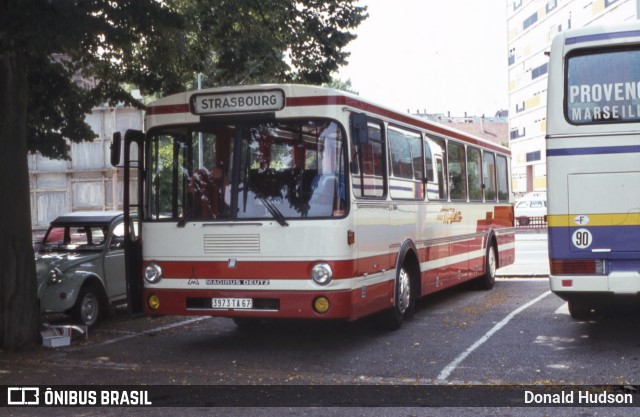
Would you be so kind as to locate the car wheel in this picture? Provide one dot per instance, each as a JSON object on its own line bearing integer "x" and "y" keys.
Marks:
{"x": 87, "y": 309}
{"x": 523, "y": 221}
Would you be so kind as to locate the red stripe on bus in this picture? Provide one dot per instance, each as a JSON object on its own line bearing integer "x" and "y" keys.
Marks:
{"x": 352, "y": 102}
{"x": 281, "y": 269}
{"x": 168, "y": 109}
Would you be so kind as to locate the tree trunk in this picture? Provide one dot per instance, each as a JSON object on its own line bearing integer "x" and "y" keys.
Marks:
{"x": 19, "y": 310}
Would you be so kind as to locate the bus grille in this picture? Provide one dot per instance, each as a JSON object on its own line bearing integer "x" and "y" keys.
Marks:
{"x": 219, "y": 244}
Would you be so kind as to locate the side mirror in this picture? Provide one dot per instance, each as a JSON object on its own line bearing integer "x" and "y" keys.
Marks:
{"x": 116, "y": 145}
{"x": 359, "y": 128}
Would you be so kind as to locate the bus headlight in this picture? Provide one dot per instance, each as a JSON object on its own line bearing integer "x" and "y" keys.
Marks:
{"x": 322, "y": 274}
{"x": 153, "y": 273}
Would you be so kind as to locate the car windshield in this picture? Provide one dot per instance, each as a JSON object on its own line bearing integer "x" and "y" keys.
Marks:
{"x": 253, "y": 170}
{"x": 75, "y": 238}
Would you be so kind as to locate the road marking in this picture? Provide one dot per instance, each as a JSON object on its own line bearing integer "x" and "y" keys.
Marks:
{"x": 563, "y": 309}
{"x": 132, "y": 335}
{"x": 448, "y": 370}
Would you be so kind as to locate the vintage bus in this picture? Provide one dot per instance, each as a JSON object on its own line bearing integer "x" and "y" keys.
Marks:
{"x": 593, "y": 166}
{"x": 293, "y": 201}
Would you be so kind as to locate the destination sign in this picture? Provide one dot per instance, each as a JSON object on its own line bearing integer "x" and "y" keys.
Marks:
{"x": 237, "y": 102}
{"x": 603, "y": 87}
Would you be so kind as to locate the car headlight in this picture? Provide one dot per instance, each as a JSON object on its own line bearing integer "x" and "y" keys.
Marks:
{"x": 322, "y": 274}
{"x": 153, "y": 273}
{"x": 55, "y": 277}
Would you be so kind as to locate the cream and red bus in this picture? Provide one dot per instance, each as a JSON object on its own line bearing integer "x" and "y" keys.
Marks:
{"x": 293, "y": 201}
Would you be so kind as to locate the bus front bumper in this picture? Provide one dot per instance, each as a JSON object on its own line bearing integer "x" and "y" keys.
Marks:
{"x": 263, "y": 304}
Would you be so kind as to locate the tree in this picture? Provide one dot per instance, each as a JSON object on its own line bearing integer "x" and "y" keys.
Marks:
{"x": 343, "y": 85}
{"x": 158, "y": 46}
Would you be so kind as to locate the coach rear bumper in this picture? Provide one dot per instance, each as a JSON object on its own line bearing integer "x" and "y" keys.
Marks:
{"x": 621, "y": 282}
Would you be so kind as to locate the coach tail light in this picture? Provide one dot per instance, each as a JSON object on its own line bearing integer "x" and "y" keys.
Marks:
{"x": 322, "y": 274}
{"x": 577, "y": 267}
{"x": 153, "y": 273}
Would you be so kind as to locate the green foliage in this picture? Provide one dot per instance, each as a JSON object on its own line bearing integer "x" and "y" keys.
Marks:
{"x": 343, "y": 85}
{"x": 262, "y": 41}
{"x": 160, "y": 46}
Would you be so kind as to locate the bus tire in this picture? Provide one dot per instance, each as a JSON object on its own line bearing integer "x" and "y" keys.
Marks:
{"x": 404, "y": 302}
{"x": 579, "y": 309}
{"x": 488, "y": 280}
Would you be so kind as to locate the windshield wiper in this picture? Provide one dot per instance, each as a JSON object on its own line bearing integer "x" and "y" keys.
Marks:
{"x": 277, "y": 214}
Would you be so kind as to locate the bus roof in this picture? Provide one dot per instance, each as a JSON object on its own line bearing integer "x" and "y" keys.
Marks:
{"x": 179, "y": 108}
{"x": 628, "y": 32}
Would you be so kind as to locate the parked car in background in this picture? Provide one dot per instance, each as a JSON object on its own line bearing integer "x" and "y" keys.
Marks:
{"x": 532, "y": 205}
{"x": 80, "y": 265}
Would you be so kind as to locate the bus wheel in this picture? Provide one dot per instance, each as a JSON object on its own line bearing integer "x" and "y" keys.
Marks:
{"x": 579, "y": 309}
{"x": 488, "y": 280}
{"x": 392, "y": 318}
{"x": 88, "y": 308}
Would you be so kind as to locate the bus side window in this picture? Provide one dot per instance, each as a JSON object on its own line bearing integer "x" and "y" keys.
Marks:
{"x": 442, "y": 183}
{"x": 436, "y": 171}
{"x": 489, "y": 176}
{"x": 503, "y": 178}
{"x": 457, "y": 171}
{"x": 405, "y": 152}
{"x": 428, "y": 157}
{"x": 474, "y": 174}
{"x": 368, "y": 170}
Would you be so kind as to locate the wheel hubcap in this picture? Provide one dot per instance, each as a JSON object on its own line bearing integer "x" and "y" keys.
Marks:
{"x": 492, "y": 263}
{"x": 89, "y": 308}
{"x": 404, "y": 291}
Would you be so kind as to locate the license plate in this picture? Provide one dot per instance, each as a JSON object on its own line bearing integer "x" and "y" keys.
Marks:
{"x": 236, "y": 303}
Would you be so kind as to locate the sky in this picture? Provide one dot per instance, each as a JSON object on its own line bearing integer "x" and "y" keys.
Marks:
{"x": 435, "y": 55}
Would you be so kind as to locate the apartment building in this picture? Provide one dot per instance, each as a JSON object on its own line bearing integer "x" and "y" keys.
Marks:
{"x": 531, "y": 25}
{"x": 85, "y": 182}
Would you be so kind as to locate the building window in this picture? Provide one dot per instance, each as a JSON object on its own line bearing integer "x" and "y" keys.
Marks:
{"x": 519, "y": 107}
{"x": 533, "y": 156}
{"x": 530, "y": 20}
{"x": 552, "y": 4}
{"x": 539, "y": 71}
{"x": 517, "y": 4}
{"x": 517, "y": 133}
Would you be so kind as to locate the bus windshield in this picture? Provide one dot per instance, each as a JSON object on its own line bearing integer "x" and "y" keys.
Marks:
{"x": 251, "y": 170}
{"x": 603, "y": 87}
